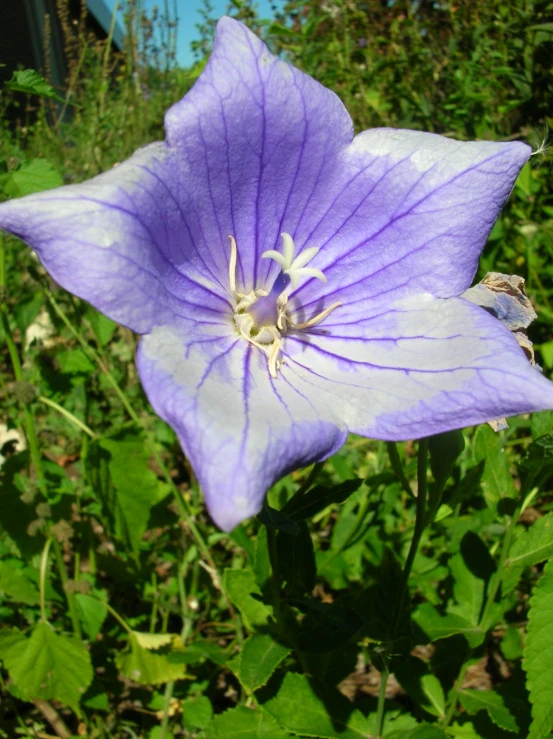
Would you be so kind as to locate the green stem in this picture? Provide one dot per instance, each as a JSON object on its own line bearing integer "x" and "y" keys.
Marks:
{"x": 275, "y": 573}
{"x": 380, "y": 711}
{"x": 42, "y": 581}
{"x": 74, "y": 420}
{"x": 422, "y": 488}
{"x": 166, "y": 709}
{"x": 30, "y": 428}
{"x": 420, "y": 522}
{"x": 70, "y": 597}
{"x": 455, "y": 696}
{"x": 397, "y": 467}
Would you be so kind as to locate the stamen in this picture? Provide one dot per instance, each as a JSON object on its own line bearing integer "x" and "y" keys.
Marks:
{"x": 232, "y": 264}
{"x": 317, "y": 319}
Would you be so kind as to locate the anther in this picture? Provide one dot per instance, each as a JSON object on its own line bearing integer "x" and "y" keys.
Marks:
{"x": 316, "y": 319}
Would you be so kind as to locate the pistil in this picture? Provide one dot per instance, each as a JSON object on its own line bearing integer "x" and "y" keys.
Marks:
{"x": 264, "y": 318}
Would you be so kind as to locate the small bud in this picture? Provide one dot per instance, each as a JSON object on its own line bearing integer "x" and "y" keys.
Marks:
{"x": 43, "y": 510}
{"x": 24, "y": 391}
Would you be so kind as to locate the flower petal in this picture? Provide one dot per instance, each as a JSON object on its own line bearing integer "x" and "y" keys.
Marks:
{"x": 407, "y": 212}
{"x": 240, "y": 429}
{"x": 121, "y": 241}
{"x": 258, "y": 135}
{"x": 416, "y": 368}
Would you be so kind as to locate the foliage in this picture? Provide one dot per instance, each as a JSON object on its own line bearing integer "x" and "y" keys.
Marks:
{"x": 124, "y": 611}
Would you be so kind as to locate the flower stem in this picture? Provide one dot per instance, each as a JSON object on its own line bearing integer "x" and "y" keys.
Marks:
{"x": 70, "y": 597}
{"x": 30, "y": 428}
{"x": 397, "y": 467}
{"x": 74, "y": 420}
{"x": 420, "y": 523}
{"x": 42, "y": 581}
{"x": 166, "y": 709}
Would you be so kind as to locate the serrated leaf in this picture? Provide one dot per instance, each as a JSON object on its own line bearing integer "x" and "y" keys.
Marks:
{"x": 260, "y": 657}
{"x": 307, "y": 505}
{"x": 538, "y": 655}
{"x": 137, "y": 487}
{"x": 422, "y": 686}
{"x": 241, "y": 587}
{"x": 315, "y": 712}
{"x": 243, "y": 723}
{"x": 534, "y": 545}
{"x": 426, "y": 731}
{"x": 102, "y": 326}
{"x": 537, "y": 463}
{"x": 49, "y": 666}
{"x": 497, "y": 480}
{"x": 277, "y": 520}
{"x": 74, "y": 362}
{"x": 148, "y": 668}
{"x": 479, "y": 700}
{"x": 437, "y": 627}
{"x": 16, "y": 585}
{"x": 197, "y": 712}
{"x": 153, "y": 642}
{"x": 92, "y": 614}
{"x": 30, "y": 82}
{"x": 34, "y": 176}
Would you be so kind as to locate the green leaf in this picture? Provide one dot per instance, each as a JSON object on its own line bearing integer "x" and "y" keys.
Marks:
{"x": 260, "y": 657}
{"x": 307, "y": 505}
{"x": 538, "y": 655}
{"x": 49, "y": 666}
{"x": 197, "y": 712}
{"x": 471, "y": 571}
{"x": 148, "y": 668}
{"x": 277, "y": 520}
{"x": 541, "y": 423}
{"x": 153, "y": 642}
{"x": 74, "y": 362}
{"x": 243, "y": 723}
{"x": 92, "y": 614}
{"x": 240, "y": 586}
{"x": 326, "y": 626}
{"x": 30, "y": 82}
{"x": 16, "y": 585}
{"x": 444, "y": 450}
{"x": 534, "y": 545}
{"x": 497, "y": 480}
{"x": 426, "y": 731}
{"x": 422, "y": 686}
{"x": 102, "y": 326}
{"x": 315, "y": 712}
{"x": 437, "y": 627}
{"x": 296, "y": 557}
{"x": 537, "y": 463}
{"x": 137, "y": 487}
{"x": 34, "y": 176}
{"x": 478, "y": 700}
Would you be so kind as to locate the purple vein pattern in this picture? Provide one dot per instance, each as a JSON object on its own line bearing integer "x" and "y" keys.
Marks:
{"x": 254, "y": 150}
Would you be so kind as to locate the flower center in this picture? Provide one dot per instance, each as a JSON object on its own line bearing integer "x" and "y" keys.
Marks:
{"x": 263, "y": 318}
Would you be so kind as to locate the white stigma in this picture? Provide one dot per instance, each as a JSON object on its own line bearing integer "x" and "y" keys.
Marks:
{"x": 294, "y": 267}
{"x": 268, "y": 336}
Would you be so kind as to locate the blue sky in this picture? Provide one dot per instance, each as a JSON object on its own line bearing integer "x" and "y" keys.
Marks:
{"x": 189, "y": 16}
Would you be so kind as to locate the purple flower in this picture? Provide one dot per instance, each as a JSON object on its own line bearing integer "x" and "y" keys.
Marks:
{"x": 291, "y": 283}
